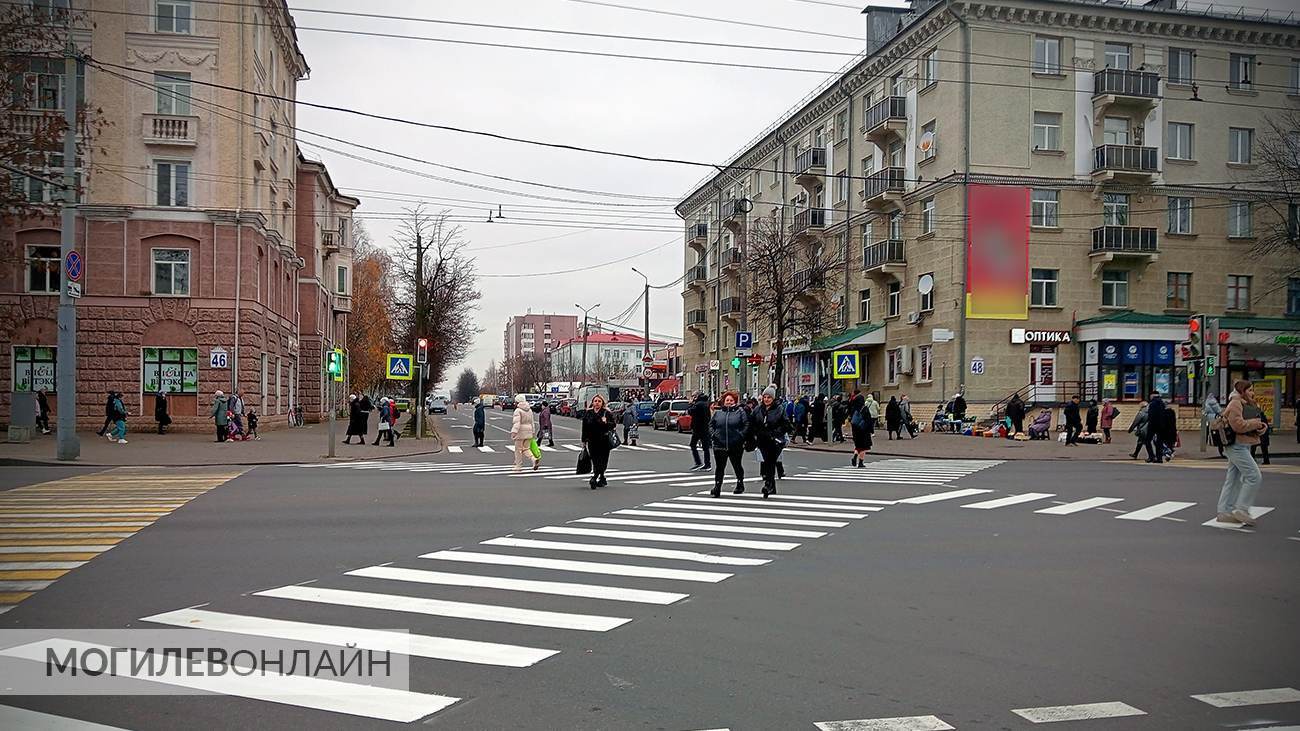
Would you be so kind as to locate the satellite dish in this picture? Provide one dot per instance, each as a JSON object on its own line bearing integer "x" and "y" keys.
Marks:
{"x": 926, "y": 142}
{"x": 925, "y": 285}
{"x": 745, "y": 205}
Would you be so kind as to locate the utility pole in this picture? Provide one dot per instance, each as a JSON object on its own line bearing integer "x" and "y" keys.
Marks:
{"x": 419, "y": 330}
{"x": 67, "y": 446}
{"x": 585, "y": 371}
{"x": 646, "y": 358}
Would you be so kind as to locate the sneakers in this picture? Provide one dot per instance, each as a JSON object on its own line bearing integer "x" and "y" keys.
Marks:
{"x": 1226, "y": 518}
{"x": 121, "y": 441}
{"x": 717, "y": 490}
{"x": 740, "y": 488}
{"x": 1244, "y": 518}
{"x": 697, "y": 468}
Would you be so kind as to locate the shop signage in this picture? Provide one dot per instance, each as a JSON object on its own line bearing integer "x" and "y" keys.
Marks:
{"x": 1133, "y": 352}
{"x": 805, "y": 379}
{"x": 1283, "y": 339}
{"x": 1091, "y": 350}
{"x": 702, "y": 368}
{"x": 1110, "y": 353}
{"x": 715, "y": 365}
{"x": 1162, "y": 353}
{"x": 941, "y": 335}
{"x": 1020, "y": 336}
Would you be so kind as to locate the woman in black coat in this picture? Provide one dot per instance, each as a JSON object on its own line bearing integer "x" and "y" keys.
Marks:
{"x": 894, "y": 418}
{"x": 356, "y": 420}
{"x": 818, "y": 429}
{"x": 597, "y": 424}
{"x": 160, "y": 412}
{"x": 769, "y": 427}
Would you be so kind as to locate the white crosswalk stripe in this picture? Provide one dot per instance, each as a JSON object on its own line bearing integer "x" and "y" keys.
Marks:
{"x": 486, "y": 448}
{"x": 732, "y": 499}
{"x": 1003, "y": 502}
{"x": 938, "y": 496}
{"x": 455, "y": 449}
{"x": 732, "y": 518}
{"x": 1079, "y": 506}
{"x": 730, "y": 506}
{"x": 1237, "y": 699}
{"x": 707, "y": 527}
{"x": 561, "y": 588}
{"x": 586, "y": 567}
{"x": 1255, "y": 512}
{"x": 669, "y": 538}
{"x": 902, "y": 723}
{"x": 1159, "y": 510}
{"x": 627, "y": 550}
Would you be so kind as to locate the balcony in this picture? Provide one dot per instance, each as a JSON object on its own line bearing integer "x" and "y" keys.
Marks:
{"x": 1120, "y": 87}
{"x": 170, "y": 129}
{"x": 810, "y": 168}
{"x": 885, "y": 257}
{"x": 729, "y": 309}
{"x": 806, "y": 280}
{"x": 730, "y": 260}
{"x": 342, "y": 303}
{"x": 883, "y": 190}
{"x": 1125, "y": 163}
{"x": 885, "y": 121}
{"x": 809, "y": 221}
{"x": 731, "y": 212}
{"x": 330, "y": 242}
{"x": 697, "y": 235}
{"x": 696, "y": 320}
{"x": 1109, "y": 243}
{"x": 697, "y": 276}
{"x": 30, "y": 122}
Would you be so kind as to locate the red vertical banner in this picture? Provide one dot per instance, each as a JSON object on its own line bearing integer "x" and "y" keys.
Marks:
{"x": 997, "y": 253}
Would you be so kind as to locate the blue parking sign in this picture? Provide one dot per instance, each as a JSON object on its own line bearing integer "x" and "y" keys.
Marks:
{"x": 744, "y": 340}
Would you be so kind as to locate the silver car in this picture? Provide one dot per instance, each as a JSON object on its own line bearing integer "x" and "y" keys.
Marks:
{"x": 666, "y": 415}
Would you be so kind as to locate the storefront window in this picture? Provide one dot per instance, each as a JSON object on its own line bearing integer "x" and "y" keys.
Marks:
{"x": 174, "y": 370}
{"x": 34, "y": 369}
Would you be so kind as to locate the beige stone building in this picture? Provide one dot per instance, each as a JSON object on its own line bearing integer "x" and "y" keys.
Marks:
{"x": 1023, "y": 195}
{"x": 203, "y": 231}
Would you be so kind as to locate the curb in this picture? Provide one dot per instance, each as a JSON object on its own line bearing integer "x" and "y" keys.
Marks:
{"x": 874, "y": 450}
{"x": 14, "y": 462}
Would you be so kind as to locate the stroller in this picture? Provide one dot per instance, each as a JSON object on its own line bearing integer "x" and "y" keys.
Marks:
{"x": 233, "y": 434}
{"x": 631, "y": 435}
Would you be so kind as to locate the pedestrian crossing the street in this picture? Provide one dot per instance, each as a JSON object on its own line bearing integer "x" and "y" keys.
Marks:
{"x": 593, "y": 574}
{"x": 50, "y": 528}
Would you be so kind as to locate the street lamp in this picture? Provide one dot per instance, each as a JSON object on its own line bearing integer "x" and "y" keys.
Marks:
{"x": 585, "y": 310}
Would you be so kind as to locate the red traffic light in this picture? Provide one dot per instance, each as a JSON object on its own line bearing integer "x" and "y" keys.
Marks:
{"x": 424, "y": 342}
{"x": 1194, "y": 324}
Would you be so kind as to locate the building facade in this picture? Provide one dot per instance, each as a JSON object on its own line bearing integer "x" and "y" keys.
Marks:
{"x": 536, "y": 334}
{"x": 1026, "y": 195}
{"x": 605, "y": 357}
{"x": 202, "y": 231}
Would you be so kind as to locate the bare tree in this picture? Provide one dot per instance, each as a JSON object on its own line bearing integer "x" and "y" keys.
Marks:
{"x": 530, "y": 373}
{"x": 1279, "y": 156}
{"x": 789, "y": 279}
{"x": 491, "y": 377}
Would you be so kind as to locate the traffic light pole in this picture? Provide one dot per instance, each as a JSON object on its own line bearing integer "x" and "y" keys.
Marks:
{"x": 67, "y": 446}
{"x": 330, "y": 404}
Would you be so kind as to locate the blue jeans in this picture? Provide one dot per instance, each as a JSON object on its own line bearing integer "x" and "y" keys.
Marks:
{"x": 1242, "y": 482}
{"x": 119, "y": 428}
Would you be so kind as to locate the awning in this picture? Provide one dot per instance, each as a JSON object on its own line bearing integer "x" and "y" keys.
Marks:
{"x": 871, "y": 333}
{"x": 668, "y": 385}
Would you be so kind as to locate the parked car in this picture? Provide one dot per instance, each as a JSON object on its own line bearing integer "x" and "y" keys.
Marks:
{"x": 668, "y": 413}
{"x": 617, "y": 408}
{"x": 684, "y": 423}
{"x": 645, "y": 411}
{"x": 569, "y": 407}
{"x": 507, "y": 403}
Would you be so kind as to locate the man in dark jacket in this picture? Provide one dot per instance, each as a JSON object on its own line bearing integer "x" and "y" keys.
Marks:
{"x": 480, "y": 421}
{"x": 699, "y": 412}
{"x": 1016, "y": 413}
{"x": 1156, "y": 424}
{"x": 839, "y": 412}
{"x": 108, "y": 415}
{"x": 1073, "y": 424}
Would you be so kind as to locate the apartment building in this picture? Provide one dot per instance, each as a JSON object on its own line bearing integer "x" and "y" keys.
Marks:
{"x": 1023, "y": 195}
{"x": 204, "y": 234}
{"x": 536, "y": 334}
{"x": 611, "y": 358}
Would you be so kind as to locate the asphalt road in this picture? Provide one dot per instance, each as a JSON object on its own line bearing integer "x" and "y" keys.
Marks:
{"x": 963, "y": 608}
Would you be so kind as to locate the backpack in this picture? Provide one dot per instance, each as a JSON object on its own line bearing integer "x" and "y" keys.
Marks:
{"x": 1220, "y": 427}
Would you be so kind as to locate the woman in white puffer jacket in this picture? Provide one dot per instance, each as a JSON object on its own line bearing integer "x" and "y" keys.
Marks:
{"x": 522, "y": 432}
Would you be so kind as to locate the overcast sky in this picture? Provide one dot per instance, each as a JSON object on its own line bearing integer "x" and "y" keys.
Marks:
{"x": 653, "y": 108}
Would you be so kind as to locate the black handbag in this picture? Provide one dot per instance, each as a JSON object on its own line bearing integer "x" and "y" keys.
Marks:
{"x": 613, "y": 439}
{"x": 584, "y": 462}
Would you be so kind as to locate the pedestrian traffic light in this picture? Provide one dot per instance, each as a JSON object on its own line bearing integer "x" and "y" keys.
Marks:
{"x": 334, "y": 366}
{"x": 1196, "y": 337}
{"x": 735, "y": 362}
{"x": 422, "y": 350}
{"x": 1211, "y": 363}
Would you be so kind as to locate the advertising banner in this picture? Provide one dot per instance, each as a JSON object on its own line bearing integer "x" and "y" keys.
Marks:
{"x": 997, "y": 253}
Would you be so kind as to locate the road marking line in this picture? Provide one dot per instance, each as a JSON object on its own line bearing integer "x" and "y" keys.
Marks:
{"x": 620, "y": 550}
{"x": 582, "y": 567}
{"x": 18, "y": 565}
{"x": 671, "y": 477}
{"x": 455, "y": 449}
{"x": 1079, "y": 506}
{"x": 732, "y": 499}
{"x": 30, "y": 574}
{"x": 904, "y": 723}
{"x": 546, "y": 448}
{"x": 572, "y": 447}
{"x": 6, "y": 548}
{"x": 1250, "y": 697}
{"x": 19, "y": 586}
{"x": 105, "y": 524}
{"x": 722, "y": 506}
{"x": 440, "y": 608}
{"x": 404, "y": 643}
{"x": 294, "y": 690}
{"x": 612, "y": 474}
{"x": 42, "y": 512}
{"x": 733, "y": 518}
{"x": 13, "y": 717}
{"x": 711, "y": 527}
{"x": 636, "y": 448}
{"x": 1080, "y": 712}
{"x": 560, "y": 588}
{"x": 785, "y": 496}
{"x": 1155, "y": 511}
{"x": 669, "y": 538}
{"x": 937, "y": 496}
{"x": 1255, "y": 512}
{"x": 1002, "y": 502}
{"x": 486, "y": 448}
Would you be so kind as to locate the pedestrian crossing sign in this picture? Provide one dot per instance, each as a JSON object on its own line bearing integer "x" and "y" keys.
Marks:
{"x": 846, "y": 365}
{"x": 399, "y": 366}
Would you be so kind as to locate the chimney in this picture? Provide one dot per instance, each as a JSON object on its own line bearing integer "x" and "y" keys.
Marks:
{"x": 882, "y": 25}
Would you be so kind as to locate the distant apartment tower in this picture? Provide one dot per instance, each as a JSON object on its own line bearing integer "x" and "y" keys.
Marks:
{"x": 537, "y": 334}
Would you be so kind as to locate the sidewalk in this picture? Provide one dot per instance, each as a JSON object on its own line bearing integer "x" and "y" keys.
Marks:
{"x": 952, "y": 446}
{"x": 279, "y": 446}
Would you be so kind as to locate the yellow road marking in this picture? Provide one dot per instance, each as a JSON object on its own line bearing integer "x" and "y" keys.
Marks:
{"x": 83, "y": 556}
{"x": 32, "y": 574}
{"x": 60, "y": 542}
{"x": 13, "y": 597}
{"x": 94, "y": 529}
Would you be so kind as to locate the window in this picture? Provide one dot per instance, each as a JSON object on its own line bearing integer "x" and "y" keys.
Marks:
{"x": 841, "y": 186}
{"x": 171, "y": 271}
{"x": 1239, "y": 144}
{"x": 1042, "y": 287}
{"x": 1241, "y": 71}
{"x": 868, "y": 165}
{"x": 927, "y": 298}
{"x": 1115, "y": 131}
{"x": 1114, "y": 288}
{"x": 896, "y": 225}
{"x": 925, "y": 363}
{"x": 842, "y": 125}
{"x": 868, "y": 238}
{"x": 897, "y": 85}
{"x": 1180, "y": 215}
{"x": 173, "y": 92}
{"x": 868, "y": 101}
{"x": 1047, "y": 55}
{"x": 896, "y": 155}
{"x": 172, "y": 182}
{"x": 928, "y": 147}
{"x": 895, "y": 299}
{"x": 1043, "y": 206}
{"x": 1238, "y": 292}
{"x": 1179, "y": 145}
{"x": 1181, "y": 65}
{"x": 864, "y": 305}
{"x": 173, "y": 16}
{"x": 342, "y": 280}
{"x": 1047, "y": 131}
{"x": 1239, "y": 215}
{"x": 1293, "y": 296}
{"x": 1118, "y": 56}
{"x": 927, "y": 216}
{"x": 930, "y": 68}
{"x": 43, "y": 264}
{"x": 174, "y": 370}
{"x": 35, "y": 369}
{"x": 893, "y": 364}
{"x": 1114, "y": 209}
{"x": 1178, "y": 291}
{"x": 776, "y": 171}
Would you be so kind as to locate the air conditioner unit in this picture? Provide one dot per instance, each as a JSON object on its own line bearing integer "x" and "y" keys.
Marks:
{"x": 905, "y": 358}
{"x": 913, "y": 318}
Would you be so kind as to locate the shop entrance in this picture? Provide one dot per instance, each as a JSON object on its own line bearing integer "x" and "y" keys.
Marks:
{"x": 1042, "y": 373}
